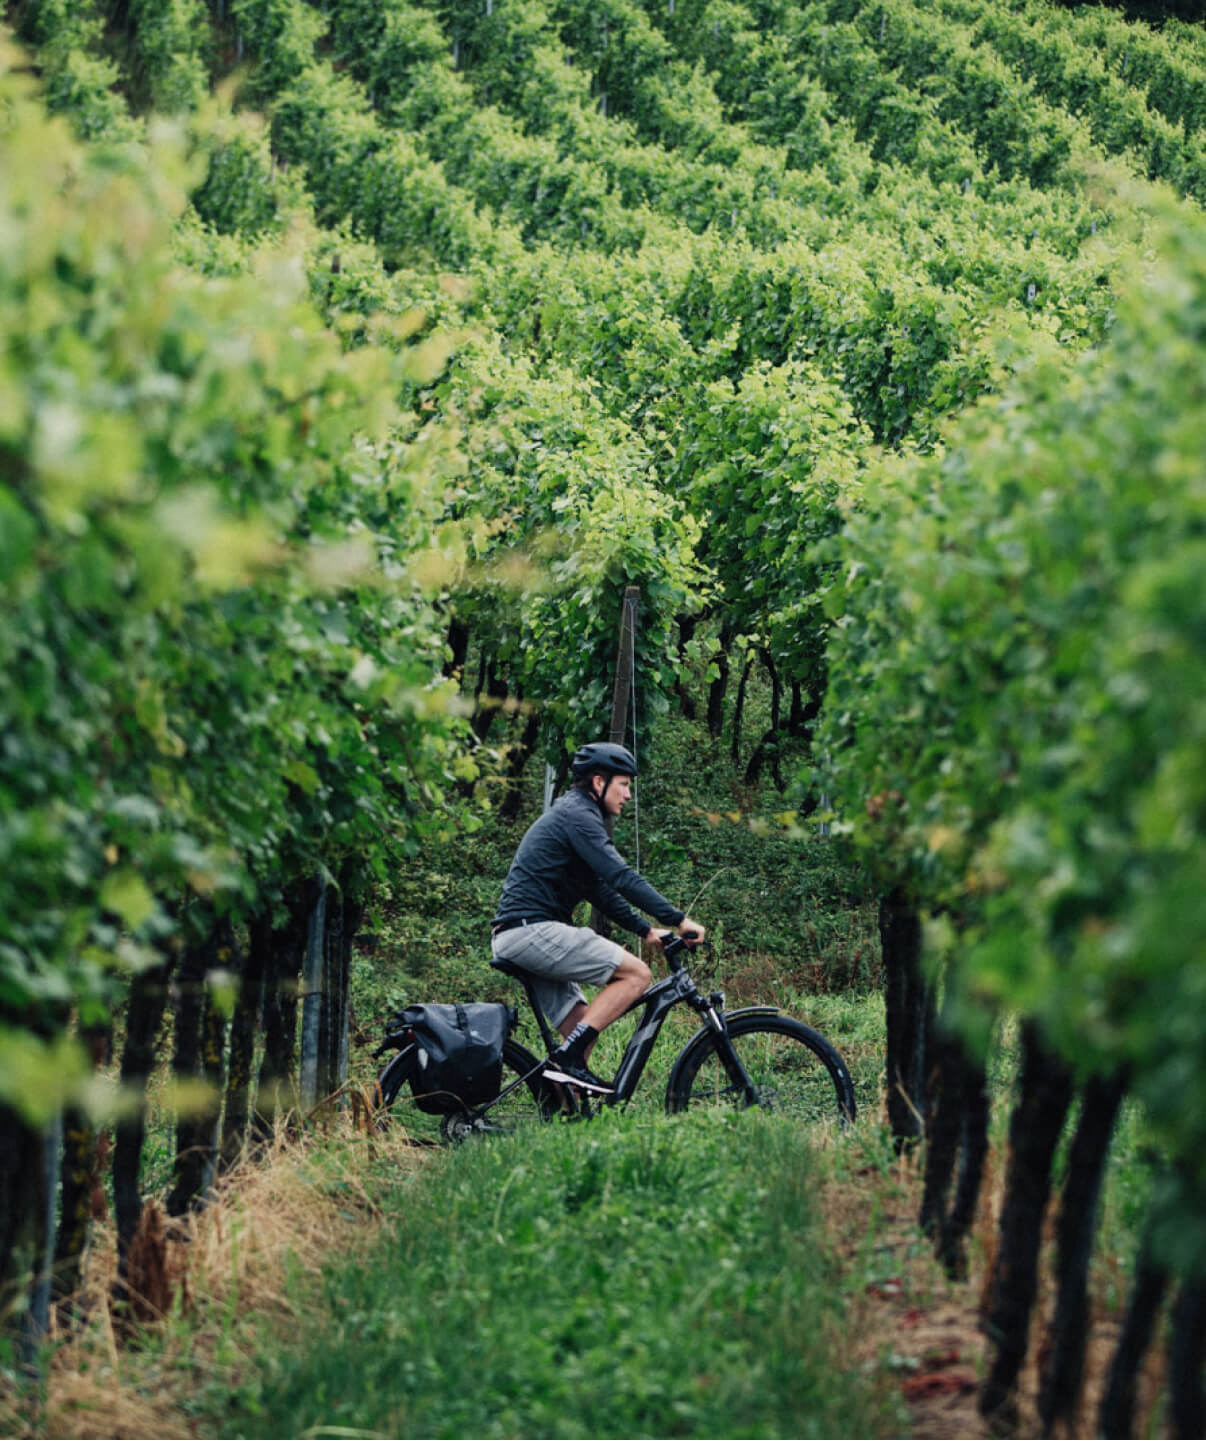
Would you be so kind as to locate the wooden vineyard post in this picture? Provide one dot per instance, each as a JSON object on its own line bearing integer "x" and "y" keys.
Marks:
{"x": 621, "y": 698}
{"x": 36, "y": 1322}
{"x": 621, "y": 694}
{"x": 312, "y": 994}
{"x": 148, "y": 998}
{"x": 285, "y": 949}
{"x": 325, "y": 983}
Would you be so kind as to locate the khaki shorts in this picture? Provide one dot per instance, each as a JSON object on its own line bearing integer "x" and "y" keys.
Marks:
{"x": 558, "y": 956}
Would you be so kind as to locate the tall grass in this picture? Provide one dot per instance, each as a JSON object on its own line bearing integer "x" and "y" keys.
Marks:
{"x": 221, "y": 1281}
{"x": 628, "y": 1277}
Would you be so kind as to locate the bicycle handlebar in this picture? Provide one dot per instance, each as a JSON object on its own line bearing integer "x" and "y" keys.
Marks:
{"x": 673, "y": 946}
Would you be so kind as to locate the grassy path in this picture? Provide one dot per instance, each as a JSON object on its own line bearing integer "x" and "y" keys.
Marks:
{"x": 630, "y": 1277}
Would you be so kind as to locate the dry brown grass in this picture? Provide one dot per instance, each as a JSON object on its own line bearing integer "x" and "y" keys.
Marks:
{"x": 759, "y": 976}
{"x": 201, "y": 1285}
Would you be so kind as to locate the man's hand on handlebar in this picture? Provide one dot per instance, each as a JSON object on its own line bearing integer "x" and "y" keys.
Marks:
{"x": 691, "y": 931}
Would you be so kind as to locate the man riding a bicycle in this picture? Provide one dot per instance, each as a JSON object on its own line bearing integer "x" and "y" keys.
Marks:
{"x": 565, "y": 857}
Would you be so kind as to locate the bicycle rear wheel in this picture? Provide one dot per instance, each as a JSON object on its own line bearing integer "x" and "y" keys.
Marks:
{"x": 534, "y": 1100}
{"x": 794, "y": 1070}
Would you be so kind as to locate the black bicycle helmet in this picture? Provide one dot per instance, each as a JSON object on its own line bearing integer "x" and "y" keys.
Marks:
{"x": 612, "y": 760}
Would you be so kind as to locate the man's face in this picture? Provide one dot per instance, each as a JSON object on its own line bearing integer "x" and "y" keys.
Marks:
{"x": 614, "y": 796}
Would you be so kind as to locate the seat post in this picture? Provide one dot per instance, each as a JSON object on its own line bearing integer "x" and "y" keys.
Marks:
{"x": 551, "y": 1042}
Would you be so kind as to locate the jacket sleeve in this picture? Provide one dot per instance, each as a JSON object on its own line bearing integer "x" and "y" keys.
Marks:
{"x": 593, "y": 845}
{"x": 612, "y": 904}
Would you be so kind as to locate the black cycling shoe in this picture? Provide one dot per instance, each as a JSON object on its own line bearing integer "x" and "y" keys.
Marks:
{"x": 570, "y": 1074}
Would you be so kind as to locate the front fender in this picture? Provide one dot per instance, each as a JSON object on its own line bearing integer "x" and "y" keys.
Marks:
{"x": 701, "y": 1039}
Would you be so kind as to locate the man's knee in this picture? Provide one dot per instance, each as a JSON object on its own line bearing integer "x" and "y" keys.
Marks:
{"x": 633, "y": 970}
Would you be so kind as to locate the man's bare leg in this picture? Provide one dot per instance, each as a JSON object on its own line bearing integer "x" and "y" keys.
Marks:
{"x": 573, "y": 1016}
{"x": 629, "y": 981}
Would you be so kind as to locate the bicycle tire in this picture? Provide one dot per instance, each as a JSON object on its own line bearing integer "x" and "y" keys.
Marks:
{"x": 537, "y": 1100}
{"x": 794, "y": 1069}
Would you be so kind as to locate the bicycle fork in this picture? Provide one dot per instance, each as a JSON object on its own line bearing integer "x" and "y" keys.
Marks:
{"x": 713, "y": 1016}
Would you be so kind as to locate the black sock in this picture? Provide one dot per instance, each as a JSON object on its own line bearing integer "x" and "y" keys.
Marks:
{"x": 575, "y": 1044}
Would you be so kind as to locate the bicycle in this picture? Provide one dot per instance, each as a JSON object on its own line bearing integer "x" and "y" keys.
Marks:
{"x": 753, "y": 1056}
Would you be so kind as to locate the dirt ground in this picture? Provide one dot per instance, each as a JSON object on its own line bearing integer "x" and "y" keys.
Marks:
{"x": 911, "y": 1322}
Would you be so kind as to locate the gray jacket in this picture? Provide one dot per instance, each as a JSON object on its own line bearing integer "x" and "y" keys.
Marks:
{"x": 566, "y": 857}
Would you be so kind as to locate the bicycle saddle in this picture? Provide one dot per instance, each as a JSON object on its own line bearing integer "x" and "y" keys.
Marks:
{"x": 509, "y": 969}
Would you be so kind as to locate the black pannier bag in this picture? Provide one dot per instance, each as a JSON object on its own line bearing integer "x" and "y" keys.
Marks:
{"x": 459, "y": 1062}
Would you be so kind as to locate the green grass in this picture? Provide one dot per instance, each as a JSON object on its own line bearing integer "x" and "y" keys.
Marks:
{"x": 631, "y": 1276}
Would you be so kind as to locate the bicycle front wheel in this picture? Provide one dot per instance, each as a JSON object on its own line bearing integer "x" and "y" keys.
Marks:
{"x": 793, "y": 1069}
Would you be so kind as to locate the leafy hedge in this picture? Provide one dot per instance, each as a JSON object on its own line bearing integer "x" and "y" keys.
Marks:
{"x": 1015, "y": 738}
{"x": 210, "y": 684}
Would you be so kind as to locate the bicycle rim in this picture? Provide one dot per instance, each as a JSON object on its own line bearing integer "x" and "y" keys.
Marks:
{"x": 794, "y": 1071}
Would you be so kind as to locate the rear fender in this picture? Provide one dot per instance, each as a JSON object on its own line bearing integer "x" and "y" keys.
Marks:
{"x": 394, "y": 1075}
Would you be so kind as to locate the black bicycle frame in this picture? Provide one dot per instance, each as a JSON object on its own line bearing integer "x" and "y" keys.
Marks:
{"x": 658, "y": 1001}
